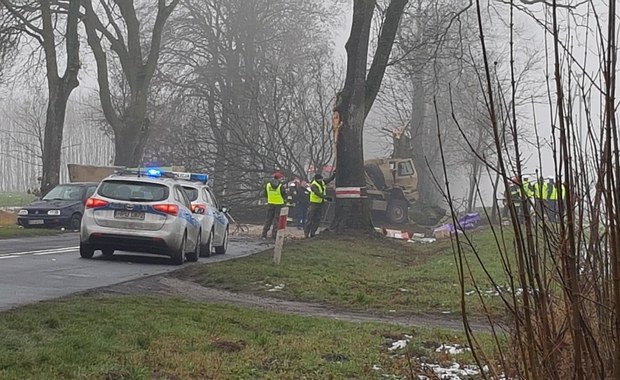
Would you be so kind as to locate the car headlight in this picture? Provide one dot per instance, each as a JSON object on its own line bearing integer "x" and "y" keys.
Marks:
{"x": 23, "y": 212}
{"x": 53, "y": 212}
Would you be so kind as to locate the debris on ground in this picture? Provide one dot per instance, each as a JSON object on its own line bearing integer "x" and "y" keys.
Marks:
{"x": 455, "y": 349}
{"x": 275, "y": 288}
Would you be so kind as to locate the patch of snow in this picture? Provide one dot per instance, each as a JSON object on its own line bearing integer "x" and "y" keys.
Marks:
{"x": 454, "y": 372}
{"x": 452, "y": 349}
{"x": 276, "y": 288}
{"x": 399, "y": 344}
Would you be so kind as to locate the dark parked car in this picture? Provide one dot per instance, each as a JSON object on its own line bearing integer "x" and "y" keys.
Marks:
{"x": 63, "y": 206}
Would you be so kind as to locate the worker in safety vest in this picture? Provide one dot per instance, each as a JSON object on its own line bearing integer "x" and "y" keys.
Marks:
{"x": 528, "y": 193}
{"x": 276, "y": 194}
{"x": 515, "y": 195}
{"x": 318, "y": 196}
{"x": 540, "y": 197}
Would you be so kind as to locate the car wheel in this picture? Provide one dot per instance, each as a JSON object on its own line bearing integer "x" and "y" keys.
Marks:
{"x": 207, "y": 248}
{"x": 86, "y": 251}
{"x": 76, "y": 222}
{"x": 193, "y": 256}
{"x": 220, "y": 250}
{"x": 107, "y": 252}
{"x": 178, "y": 255}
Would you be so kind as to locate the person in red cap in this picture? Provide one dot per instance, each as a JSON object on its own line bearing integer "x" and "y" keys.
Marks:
{"x": 276, "y": 196}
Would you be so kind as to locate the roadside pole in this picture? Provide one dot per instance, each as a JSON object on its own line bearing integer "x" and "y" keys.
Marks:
{"x": 277, "y": 251}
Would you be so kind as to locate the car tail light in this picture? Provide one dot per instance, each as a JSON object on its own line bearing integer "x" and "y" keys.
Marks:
{"x": 198, "y": 208}
{"x": 95, "y": 203}
{"x": 167, "y": 209}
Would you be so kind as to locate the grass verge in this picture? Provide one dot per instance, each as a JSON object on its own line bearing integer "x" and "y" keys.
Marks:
{"x": 370, "y": 274}
{"x": 15, "y": 199}
{"x": 162, "y": 338}
{"x": 10, "y": 232}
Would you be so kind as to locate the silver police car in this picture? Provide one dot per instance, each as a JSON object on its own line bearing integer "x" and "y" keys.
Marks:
{"x": 211, "y": 215}
{"x": 140, "y": 212}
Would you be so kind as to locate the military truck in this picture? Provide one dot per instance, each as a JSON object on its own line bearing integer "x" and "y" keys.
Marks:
{"x": 91, "y": 173}
{"x": 392, "y": 186}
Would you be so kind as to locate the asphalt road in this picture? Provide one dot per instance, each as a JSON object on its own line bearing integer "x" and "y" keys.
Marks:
{"x": 36, "y": 269}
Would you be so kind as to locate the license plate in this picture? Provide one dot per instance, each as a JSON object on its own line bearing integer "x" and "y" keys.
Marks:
{"x": 36, "y": 221}
{"x": 133, "y": 215}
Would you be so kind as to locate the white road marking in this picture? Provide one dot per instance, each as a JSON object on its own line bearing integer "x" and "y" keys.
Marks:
{"x": 38, "y": 253}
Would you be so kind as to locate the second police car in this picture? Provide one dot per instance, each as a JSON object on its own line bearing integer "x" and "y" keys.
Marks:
{"x": 141, "y": 211}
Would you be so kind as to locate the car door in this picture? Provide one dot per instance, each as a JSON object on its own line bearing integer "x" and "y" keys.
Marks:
{"x": 220, "y": 221}
{"x": 185, "y": 212}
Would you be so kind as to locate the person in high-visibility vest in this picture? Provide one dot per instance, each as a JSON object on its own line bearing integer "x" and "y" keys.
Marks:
{"x": 318, "y": 196}
{"x": 540, "y": 197}
{"x": 276, "y": 195}
{"x": 552, "y": 199}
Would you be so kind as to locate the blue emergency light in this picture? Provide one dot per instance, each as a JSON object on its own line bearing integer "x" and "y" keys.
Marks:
{"x": 154, "y": 173}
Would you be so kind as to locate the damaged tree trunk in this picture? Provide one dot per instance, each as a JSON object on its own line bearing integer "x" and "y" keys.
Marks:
{"x": 353, "y": 104}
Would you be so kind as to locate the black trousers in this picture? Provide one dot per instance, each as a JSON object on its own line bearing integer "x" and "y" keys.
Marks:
{"x": 273, "y": 214}
{"x": 315, "y": 211}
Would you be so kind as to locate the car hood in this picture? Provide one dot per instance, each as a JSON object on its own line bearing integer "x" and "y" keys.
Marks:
{"x": 51, "y": 205}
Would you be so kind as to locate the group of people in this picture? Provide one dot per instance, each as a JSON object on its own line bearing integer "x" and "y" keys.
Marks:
{"x": 304, "y": 200}
{"x": 541, "y": 196}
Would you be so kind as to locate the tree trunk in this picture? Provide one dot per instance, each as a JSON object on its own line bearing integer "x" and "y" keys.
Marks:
{"x": 59, "y": 89}
{"x": 129, "y": 142}
{"x": 52, "y": 140}
{"x": 353, "y": 103}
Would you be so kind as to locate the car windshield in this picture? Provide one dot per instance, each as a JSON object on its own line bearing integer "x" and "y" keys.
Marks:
{"x": 192, "y": 194}
{"x": 64, "y": 193}
{"x": 133, "y": 191}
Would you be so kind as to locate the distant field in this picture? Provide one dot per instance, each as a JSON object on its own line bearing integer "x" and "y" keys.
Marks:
{"x": 15, "y": 199}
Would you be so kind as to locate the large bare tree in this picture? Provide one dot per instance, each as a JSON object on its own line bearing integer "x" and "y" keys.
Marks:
{"x": 355, "y": 101}
{"x": 39, "y": 20}
{"x": 122, "y": 26}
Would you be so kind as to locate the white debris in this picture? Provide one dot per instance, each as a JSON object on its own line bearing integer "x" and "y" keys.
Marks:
{"x": 404, "y": 290}
{"x": 376, "y": 367}
{"x": 392, "y": 311}
{"x": 452, "y": 349}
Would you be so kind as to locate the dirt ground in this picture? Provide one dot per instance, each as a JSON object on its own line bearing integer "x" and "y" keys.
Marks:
{"x": 7, "y": 219}
{"x": 163, "y": 285}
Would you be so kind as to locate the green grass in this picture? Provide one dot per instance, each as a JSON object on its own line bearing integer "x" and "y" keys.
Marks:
{"x": 10, "y": 232}
{"x": 162, "y": 338}
{"x": 372, "y": 274}
{"x": 15, "y": 199}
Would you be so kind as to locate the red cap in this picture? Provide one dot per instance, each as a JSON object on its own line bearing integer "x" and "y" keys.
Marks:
{"x": 278, "y": 175}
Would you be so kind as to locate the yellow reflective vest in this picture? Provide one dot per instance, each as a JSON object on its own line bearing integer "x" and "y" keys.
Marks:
{"x": 274, "y": 196}
{"x": 322, "y": 188}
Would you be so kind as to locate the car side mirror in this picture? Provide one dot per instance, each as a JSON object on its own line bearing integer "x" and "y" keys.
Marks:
{"x": 225, "y": 210}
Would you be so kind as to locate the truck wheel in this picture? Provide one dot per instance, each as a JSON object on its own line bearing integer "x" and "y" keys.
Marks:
{"x": 398, "y": 211}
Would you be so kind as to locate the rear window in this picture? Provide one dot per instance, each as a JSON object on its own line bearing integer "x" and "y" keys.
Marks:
{"x": 192, "y": 194}
{"x": 134, "y": 191}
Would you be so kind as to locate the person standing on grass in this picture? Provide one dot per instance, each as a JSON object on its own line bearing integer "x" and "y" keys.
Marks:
{"x": 276, "y": 194}
{"x": 302, "y": 200}
{"x": 318, "y": 196}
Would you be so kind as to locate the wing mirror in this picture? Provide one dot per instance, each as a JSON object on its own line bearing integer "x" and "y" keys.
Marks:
{"x": 225, "y": 210}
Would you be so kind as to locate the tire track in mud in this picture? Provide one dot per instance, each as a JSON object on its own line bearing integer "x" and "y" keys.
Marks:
{"x": 166, "y": 286}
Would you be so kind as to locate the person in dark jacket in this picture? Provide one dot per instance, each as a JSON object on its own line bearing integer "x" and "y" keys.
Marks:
{"x": 302, "y": 199}
{"x": 318, "y": 196}
{"x": 276, "y": 195}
